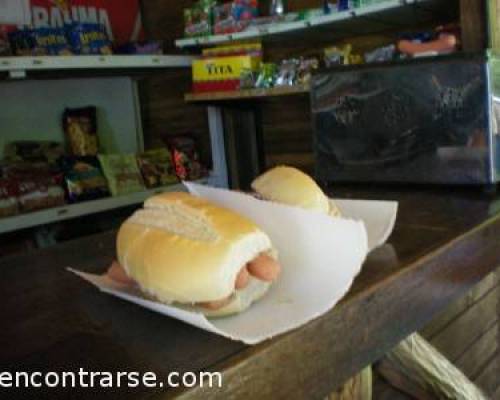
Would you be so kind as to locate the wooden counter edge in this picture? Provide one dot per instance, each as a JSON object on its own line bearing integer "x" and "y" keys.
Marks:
{"x": 359, "y": 330}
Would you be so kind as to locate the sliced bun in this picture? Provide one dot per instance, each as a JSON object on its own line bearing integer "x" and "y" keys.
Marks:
{"x": 291, "y": 186}
{"x": 181, "y": 248}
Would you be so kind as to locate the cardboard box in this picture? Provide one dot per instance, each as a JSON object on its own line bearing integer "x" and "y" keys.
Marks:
{"x": 223, "y": 68}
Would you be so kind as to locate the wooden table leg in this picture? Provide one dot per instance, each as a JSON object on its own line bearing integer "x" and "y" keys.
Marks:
{"x": 418, "y": 369}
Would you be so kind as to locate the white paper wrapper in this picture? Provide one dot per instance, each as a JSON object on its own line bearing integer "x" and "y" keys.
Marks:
{"x": 320, "y": 257}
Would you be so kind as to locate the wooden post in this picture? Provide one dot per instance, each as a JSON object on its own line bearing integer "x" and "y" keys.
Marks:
{"x": 417, "y": 368}
{"x": 357, "y": 388}
{"x": 474, "y": 23}
{"x": 493, "y": 20}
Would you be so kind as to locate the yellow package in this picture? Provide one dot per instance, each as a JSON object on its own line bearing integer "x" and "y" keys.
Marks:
{"x": 224, "y": 68}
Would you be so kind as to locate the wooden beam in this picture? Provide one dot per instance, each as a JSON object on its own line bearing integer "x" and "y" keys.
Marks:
{"x": 417, "y": 368}
{"x": 358, "y": 387}
{"x": 473, "y": 20}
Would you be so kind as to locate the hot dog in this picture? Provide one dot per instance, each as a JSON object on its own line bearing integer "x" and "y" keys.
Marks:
{"x": 262, "y": 267}
{"x": 186, "y": 251}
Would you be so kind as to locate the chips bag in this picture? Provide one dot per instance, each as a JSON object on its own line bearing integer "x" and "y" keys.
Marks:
{"x": 87, "y": 38}
{"x": 83, "y": 179}
{"x": 80, "y": 126}
{"x": 156, "y": 168}
{"x": 122, "y": 173}
{"x": 186, "y": 158}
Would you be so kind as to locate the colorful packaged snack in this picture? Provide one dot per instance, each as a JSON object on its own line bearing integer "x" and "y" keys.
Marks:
{"x": 157, "y": 168}
{"x": 381, "y": 54}
{"x": 51, "y": 42}
{"x": 338, "y": 55}
{"x": 267, "y": 76}
{"x": 122, "y": 173}
{"x": 86, "y": 38}
{"x": 34, "y": 151}
{"x": 35, "y": 185}
{"x": 288, "y": 72}
{"x": 198, "y": 20}
{"x": 83, "y": 179}
{"x": 9, "y": 205}
{"x": 22, "y": 42}
{"x": 40, "y": 42}
{"x": 234, "y": 16}
{"x": 5, "y": 49}
{"x": 305, "y": 70}
{"x": 186, "y": 158}
{"x": 80, "y": 126}
{"x": 150, "y": 47}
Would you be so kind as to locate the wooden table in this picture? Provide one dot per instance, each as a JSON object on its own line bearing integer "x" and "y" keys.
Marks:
{"x": 444, "y": 242}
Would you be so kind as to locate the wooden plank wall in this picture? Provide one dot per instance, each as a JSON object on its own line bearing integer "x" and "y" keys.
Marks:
{"x": 467, "y": 333}
{"x": 287, "y": 129}
{"x": 164, "y": 110}
{"x": 287, "y": 124}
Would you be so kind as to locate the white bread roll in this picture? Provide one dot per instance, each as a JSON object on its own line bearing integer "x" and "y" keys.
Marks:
{"x": 181, "y": 248}
{"x": 291, "y": 186}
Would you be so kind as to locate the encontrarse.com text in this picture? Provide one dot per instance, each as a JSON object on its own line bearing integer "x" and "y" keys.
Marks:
{"x": 90, "y": 379}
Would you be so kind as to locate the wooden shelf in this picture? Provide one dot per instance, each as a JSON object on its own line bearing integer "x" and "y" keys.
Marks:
{"x": 18, "y": 67}
{"x": 276, "y": 29}
{"x": 247, "y": 94}
{"x": 70, "y": 211}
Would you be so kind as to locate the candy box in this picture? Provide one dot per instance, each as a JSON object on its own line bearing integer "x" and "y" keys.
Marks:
{"x": 222, "y": 73}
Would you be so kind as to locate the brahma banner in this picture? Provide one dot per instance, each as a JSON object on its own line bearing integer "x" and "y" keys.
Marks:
{"x": 121, "y": 18}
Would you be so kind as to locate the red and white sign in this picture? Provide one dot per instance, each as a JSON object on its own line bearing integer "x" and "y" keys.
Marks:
{"x": 121, "y": 18}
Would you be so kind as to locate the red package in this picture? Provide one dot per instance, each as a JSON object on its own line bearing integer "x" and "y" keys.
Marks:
{"x": 35, "y": 186}
{"x": 8, "y": 198}
{"x": 185, "y": 158}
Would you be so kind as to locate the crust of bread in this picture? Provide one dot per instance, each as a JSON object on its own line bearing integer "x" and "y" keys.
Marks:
{"x": 181, "y": 248}
{"x": 291, "y": 186}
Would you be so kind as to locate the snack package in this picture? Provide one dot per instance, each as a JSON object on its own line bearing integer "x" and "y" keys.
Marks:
{"x": 305, "y": 70}
{"x": 381, "y": 54}
{"x": 51, "y": 42}
{"x": 34, "y": 151}
{"x": 122, "y": 173}
{"x": 9, "y": 205}
{"x": 234, "y": 16}
{"x": 338, "y": 55}
{"x": 198, "y": 20}
{"x": 267, "y": 76}
{"x": 186, "y": 158}
{"x": 40, "y": 42}
{"x": 5, "y": 49}
{"x": 86, "y": 38}
{"x": 38, "y": 194}
{"x": 150, "y": 47}
{"x": 288, "y": 72}
{"x": 156, "y": 168}
{"x": 36, "y": 186}
{"x": 22, "y": 42}
{"x": 83, "y": 179}
{"x": 80, "y": 127}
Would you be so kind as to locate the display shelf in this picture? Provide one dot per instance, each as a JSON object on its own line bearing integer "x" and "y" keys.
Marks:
{"x": 268, "y": 30}
{"x": 70, "y": 211}
{"x": 18, "y": 67}
{"x": 247, "y": 94}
